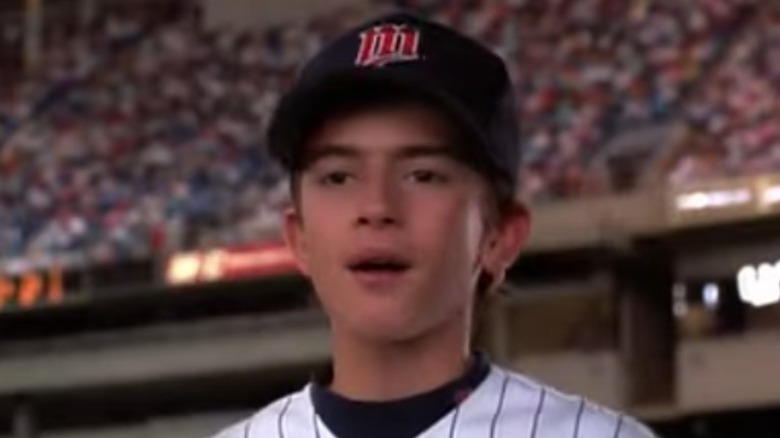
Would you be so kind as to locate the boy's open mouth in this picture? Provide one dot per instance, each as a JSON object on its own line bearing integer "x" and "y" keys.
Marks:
{"x": 373, "y": 265}
{"x": 378, "y": 264}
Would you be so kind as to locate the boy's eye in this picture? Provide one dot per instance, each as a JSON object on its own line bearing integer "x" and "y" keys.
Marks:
{"x": 335, "y": 178}
{"x": 428, "y": 176}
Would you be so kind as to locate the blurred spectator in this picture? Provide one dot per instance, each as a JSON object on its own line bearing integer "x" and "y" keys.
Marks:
{"x": 149, "y": 137}
{"x": 587, "y": 69}
{"x": 143, "y": 131}
{"x": 736, "y": 111}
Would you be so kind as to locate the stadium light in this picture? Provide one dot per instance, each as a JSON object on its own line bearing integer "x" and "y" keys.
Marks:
{"x": 760, "y": 286}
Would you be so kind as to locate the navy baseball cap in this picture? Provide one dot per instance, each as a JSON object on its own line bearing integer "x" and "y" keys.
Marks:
{"x": 403, "y": 53}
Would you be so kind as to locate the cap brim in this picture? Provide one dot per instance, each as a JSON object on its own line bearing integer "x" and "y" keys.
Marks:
{"x": 306, "y": 106}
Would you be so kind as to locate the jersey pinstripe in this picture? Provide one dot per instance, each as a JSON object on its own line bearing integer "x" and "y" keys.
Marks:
{"x": 505, "y": 405}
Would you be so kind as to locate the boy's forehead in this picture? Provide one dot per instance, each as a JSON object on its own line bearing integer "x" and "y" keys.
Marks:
{"x": 408, "y": 130}
{"x": 316, "y": 151}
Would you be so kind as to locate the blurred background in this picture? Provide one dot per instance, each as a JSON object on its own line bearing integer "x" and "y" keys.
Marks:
{"x": 144, "y": 291}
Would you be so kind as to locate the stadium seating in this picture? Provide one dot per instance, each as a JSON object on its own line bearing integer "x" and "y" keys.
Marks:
{"x": 588, "y": 69}
{"x": 733, "y": 119}
{"x": 144, "y": 134}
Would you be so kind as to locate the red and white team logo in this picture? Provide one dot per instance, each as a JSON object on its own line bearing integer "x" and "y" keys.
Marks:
{"x": 388, "y": 43}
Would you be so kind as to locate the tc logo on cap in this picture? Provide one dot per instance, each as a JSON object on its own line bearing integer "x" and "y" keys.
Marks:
{"x": 388, "y": 43}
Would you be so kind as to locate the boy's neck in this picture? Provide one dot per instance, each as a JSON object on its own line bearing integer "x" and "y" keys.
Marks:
{"x": 370, "y": 371}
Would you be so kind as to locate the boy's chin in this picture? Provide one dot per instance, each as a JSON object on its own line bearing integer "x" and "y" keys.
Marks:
{"x": 391, "y": 331}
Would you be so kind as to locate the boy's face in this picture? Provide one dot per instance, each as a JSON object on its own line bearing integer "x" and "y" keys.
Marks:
{"x": 389, "y": 226}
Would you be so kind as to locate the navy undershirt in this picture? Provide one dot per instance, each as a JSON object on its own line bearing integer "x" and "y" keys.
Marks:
{"x": 405, "y": 418}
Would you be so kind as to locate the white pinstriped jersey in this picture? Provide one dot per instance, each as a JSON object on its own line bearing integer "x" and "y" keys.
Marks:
{"x": 504, "y": 405}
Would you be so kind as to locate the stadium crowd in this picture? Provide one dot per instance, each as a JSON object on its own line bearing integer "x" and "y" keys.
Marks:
{"x": 733, "y": 120}
{"x": 586, "y": 69}
{"x": 145, "y": 132}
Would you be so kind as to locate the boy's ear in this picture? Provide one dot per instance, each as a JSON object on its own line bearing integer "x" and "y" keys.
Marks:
{"x": 507, "y": 238}
{"x": 292, "y": 230}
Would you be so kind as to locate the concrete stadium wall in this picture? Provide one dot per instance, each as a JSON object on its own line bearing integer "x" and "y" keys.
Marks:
{"x": 192, "y": 350}
{"x": 726, "y": 258}
{"x": 194, "y": 426}
{"x": 198, "y": 350}
{"x": 583, "y": 311}
{"x": 249, "y": 14}
{"x": 124, "y": 358}
{"x": 729, "y": 373}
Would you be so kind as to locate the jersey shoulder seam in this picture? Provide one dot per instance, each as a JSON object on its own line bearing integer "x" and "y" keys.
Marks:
{"x": 626, "y": 426}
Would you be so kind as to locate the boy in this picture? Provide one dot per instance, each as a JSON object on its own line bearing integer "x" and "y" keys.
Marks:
{"x": 401, "y": 138}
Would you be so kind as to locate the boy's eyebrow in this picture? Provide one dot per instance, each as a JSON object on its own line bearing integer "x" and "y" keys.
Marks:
{"x": 325, "y": 151}
{"x": 406, "y": 152}
{"x": 328, "y": 151}
{"x": 418, "y": 151}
